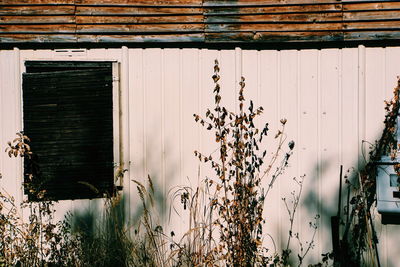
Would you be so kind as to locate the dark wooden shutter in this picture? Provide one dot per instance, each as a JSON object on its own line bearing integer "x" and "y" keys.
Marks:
{"x": 68, "y": 116}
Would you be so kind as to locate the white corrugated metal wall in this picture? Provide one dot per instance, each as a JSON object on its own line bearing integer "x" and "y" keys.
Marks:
{"x": 332, "y": 99}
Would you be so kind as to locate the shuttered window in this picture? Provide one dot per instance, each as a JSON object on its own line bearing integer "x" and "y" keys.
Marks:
{"x": 68, "y": 115}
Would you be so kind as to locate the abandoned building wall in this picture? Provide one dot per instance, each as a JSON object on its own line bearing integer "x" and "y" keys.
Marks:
{"x": 332, "y": 100}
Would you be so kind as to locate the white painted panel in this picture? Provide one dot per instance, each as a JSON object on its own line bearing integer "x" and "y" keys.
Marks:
{"x": 349, "y": 108}
{"x": 349, "y": 117}
{"x": 375, "y": 81}
{"x": 153, "y": 80}
{"x": 330, "y": 107}
{"x": 391, "y": 70}
{"x": 172, "y": 146}
{"x": 190, "y": 105}
{"x": 307, "y": 145}
{"x": 329, "y": 139}
{"x": 136, "y": 124}
{"x": 10, "y": 122}
{"x": 288, "y": 109}
{"x": 229, "y": 78}
{"x": 250, "y": 70}
{"x": 392, "y": 73}
{"x": 269, "y": 100}
{"x": 98, "y": 53}
{"x": 207, "y": 143}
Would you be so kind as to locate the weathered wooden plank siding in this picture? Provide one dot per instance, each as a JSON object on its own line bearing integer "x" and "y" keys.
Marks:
{"x": 332, "y": 98}
{"x": 202, "y": 21}
{"x": 101, "y": 21}
{"x": 301, "y": 21}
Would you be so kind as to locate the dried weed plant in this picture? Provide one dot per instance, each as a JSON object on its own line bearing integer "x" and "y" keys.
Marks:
{"x": 226, "y": 211}
{"x": 37, "y": 241}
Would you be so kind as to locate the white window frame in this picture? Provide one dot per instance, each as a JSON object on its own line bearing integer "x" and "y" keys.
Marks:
{"x": 79, "y": 55}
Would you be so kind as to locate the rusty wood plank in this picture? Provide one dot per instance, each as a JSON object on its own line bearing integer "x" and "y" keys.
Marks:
{"x": 371, "y": 25}
{"x": 142, "y": 28}
{"x": 279, "y": 26}
{"x": 141, "y": 2}
{"x": 383, "y": 5}
{"x": 274, "y": 37}
{"x": 35, "y": 38}
{"x": 240, "y": 3}
{"x": 103, "y": 38}
{"x": 141, "y": 38}
{"x": 35, "y": 2}
{"x": 310, "y": 17}
{"x": 371, "y": 15}
{"x": 371, "y": 35}
{"x": 36, "y": 10}
{"x": 36, "y": 19}
{"x": 28, "y": 29}
{"x": 139, "y": 20}
{"x": 137, "y": 11}
{"x": 273, "y": 9}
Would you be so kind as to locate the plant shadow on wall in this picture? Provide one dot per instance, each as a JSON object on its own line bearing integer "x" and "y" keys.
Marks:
{"x": 226, "y": 211}
{"x": 110, "y": 237}
{"x": 354, "y": 225}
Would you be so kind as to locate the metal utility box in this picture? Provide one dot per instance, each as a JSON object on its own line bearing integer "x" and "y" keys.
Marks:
{"x": 388, "y": 193}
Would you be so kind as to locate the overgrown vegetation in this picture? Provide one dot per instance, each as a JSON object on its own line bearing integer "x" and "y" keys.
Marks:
{"x": 33, "y": 239}
{"x": 357, "y": 246}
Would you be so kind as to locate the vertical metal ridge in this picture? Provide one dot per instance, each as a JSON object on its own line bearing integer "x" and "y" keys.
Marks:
{"x": 238, "y": 73}
{"x": 298, "y": 132}
{"x": 163, "y": 178}
{"x": 2, "y": 155}
{"x": 18, "y": 118}
{"x": 143, "y": 87}
{"x": 385, "y": 84}
{"x": 319, "y": 141}
{"x": 124, "y": 106}
{"x": 181, "y": 158}
{"x": 361, "y": 104}
{"x": 385, "y": 227}
{"x": 258, "y": 79}
{"x": 340, "y": 107}
{"x": 278, "y": 115}
{"x": 200, "y": 106}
